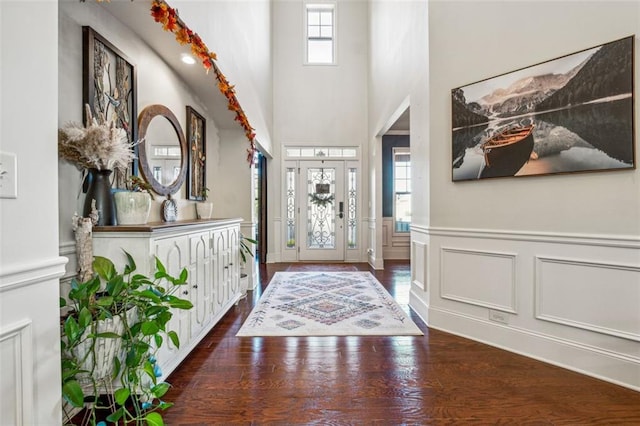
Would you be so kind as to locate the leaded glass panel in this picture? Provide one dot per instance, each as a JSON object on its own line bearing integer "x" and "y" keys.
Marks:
{"x": 352, "y": 203}
{"x": 321, "y": 208}
{"x": 291, "y": 207}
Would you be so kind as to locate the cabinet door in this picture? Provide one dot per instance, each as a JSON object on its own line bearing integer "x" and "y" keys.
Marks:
{"x": 173, "y": 253}
{"x": 219, "y": 245}
{"x": 200, "y": 287}
{"x": 234, "y": 261}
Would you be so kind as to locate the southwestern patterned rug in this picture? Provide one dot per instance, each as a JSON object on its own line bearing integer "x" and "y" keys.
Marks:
{"x": 327, "y": 304}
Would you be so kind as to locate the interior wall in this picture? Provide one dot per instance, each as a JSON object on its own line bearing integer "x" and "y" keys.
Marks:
{"x": 231, "y": 179}
{"x": 317, "y": 104}
{"x": 546, "y": 266}
{"x": 473, "y": 50}
{"x": 398, "y": 78}
{"x": 156, "y": 84}
{"x": 29, "y": 263}
{"x": 239, "y": 32}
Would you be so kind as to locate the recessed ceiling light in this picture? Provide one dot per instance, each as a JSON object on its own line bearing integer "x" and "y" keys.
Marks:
{"x": 188, "y": 59}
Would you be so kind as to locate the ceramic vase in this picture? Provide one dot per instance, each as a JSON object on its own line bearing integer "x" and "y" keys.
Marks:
{"x": 204, "y": 210}
{"x": 132, "y": 207}
{"x": 99, "y": 189}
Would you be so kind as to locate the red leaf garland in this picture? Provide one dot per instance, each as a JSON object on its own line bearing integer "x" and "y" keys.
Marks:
{"x": 171, "y": 22}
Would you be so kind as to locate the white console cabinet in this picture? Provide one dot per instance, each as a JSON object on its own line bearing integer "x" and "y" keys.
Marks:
{"x": 208, "y": 249}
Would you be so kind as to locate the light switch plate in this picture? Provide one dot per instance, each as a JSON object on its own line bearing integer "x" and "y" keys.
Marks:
{"x": 8, "y": 175}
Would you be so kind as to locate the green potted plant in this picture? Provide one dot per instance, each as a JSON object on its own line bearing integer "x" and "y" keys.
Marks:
{"x": 204, "y": 209}
{"x": 115, "y": 324}
{"x": 245, "y": 253}
{"x": 134, "y": 205}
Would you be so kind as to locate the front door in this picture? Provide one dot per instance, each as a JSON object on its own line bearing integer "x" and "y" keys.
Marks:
{"x": 322, "y": 215}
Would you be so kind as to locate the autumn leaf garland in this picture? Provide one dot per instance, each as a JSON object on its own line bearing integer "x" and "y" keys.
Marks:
{"x": 171, "y": 22}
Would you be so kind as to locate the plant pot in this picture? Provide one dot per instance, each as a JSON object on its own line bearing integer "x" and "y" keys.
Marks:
{"x": 132, "y": 207}
{"x": 99, "y": 361}
{"x": 204, "y": 210}
{"x": 99, "y": 189}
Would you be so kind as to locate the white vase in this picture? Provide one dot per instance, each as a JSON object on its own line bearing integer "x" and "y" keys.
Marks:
{"x": 132, "y": 208}
{"x": 204, "y": 210}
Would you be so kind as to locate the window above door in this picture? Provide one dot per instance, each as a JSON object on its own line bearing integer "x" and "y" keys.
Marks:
{"x": 320, "y": 46}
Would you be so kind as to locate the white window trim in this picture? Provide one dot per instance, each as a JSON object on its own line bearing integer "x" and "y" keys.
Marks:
{"x": 399, "y": 150}
{"x": 334, "y": 6}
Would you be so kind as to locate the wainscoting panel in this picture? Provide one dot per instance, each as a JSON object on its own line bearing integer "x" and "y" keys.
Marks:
{"x": 609, "y": 293}
{"x": 16, "y": 381}
{"x": 419, "y": 265}
{"x": 481, "y": 278}
{"x": 577, "y": 296}
{"x": 396, "y": 245}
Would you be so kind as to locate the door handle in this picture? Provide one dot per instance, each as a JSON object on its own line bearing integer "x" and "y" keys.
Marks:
{"x": 341, "y": 209}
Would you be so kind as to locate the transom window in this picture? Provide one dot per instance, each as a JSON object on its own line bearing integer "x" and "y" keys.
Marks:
{"x": 402, "y": 188}
{"x": 320, "y": 33}
{"x": 320, "y": 152}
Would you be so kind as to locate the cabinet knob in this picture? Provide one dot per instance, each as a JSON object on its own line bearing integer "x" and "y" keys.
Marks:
{"x": 226, "y": 267}
{"x": 185, "y": 292}
{"x": 231, "y": 264}
{"x": 195, "y": 286}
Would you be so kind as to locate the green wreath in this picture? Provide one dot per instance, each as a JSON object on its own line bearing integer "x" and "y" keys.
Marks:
{"x": 321, "y": 201}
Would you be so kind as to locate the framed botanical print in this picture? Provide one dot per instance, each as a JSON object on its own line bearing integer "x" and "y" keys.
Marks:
{"x": 196, "y": 170}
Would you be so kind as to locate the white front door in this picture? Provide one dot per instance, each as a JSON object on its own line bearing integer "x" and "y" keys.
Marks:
{"x": 322, "y": 210}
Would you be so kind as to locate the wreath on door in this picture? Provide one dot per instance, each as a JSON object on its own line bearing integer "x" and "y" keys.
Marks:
{"x": 321, "y": 200}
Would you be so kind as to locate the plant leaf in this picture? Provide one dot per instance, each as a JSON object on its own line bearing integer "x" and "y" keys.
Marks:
{"x": 158, "y": 339}
{"x": 160, "y": 389}
{"x": 164, "y": 405}
{"x": 121, "y": 395}
{"x": 183, "y": 276}
{"x": 116, "y": 415}
{"x": 149, "y": 328}
{"x": 71, "y": 330}
{"x": 148, "y": 368}
{"x": 174, "y": 338}
{"x": 131, "y": 264}
{"x": 115, "y": 285}
{"x": 154, "y": 419}
{"x": 159, "y": 266}
{"x": 176, "y": 302}
{"x": 104, "y": 301}
{"x": 84, "y": 318}
{"x": 104, "y": 267}
{"x": 63, "y": 302}
{"x": 152, "y": 311}
{"x": 72, "y": 392}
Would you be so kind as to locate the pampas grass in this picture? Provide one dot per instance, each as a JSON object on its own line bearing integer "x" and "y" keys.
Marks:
{"x": 95, "y": 146}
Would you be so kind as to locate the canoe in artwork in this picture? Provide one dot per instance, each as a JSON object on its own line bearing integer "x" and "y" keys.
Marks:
{"x": 506, "y": 152}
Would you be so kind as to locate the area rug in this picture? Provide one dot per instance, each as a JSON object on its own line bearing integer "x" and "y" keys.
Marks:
{"x": 327, "y": 304}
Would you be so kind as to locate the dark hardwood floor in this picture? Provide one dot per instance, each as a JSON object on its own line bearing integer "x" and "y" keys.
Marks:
{"x": 437, "y": 378}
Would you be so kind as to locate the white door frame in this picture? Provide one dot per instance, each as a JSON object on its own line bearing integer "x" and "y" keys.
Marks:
{"x": 321, "y": 225}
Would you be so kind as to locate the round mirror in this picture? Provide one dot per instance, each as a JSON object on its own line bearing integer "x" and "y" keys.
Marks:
{"x": 163, "y": 151}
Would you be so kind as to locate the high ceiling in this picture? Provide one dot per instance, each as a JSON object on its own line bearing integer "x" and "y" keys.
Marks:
{"x": 136, "y": 15}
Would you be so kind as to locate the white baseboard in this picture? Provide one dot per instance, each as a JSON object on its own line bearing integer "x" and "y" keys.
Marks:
{"x": 419, "y": 306}
{"x": 616, "y": 368}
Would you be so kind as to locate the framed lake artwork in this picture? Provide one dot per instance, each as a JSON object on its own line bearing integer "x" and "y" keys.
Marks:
{"x": 196, "y": 170}
{"x": 570, "y": 114}
{"x": 109, "y": 87}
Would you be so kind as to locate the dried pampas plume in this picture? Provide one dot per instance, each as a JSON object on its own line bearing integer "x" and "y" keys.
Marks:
{"x": 95, "y": 146}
